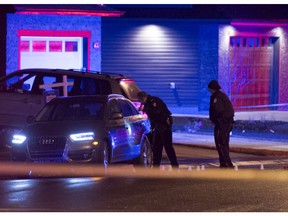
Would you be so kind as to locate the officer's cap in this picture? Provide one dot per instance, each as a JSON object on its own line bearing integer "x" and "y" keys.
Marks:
{"x": 214, "y": 85}
{"x": 141, "y": 94}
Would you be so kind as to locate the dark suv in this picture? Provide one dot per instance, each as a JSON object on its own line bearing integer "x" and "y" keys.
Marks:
{"x": 25, "y": 92}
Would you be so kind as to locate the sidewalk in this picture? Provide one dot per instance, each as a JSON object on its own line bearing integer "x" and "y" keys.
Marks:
{"x": 237, "y": 144}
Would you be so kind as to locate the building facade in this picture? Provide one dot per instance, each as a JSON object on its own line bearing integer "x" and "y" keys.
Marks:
{"x": 171, "y": 58}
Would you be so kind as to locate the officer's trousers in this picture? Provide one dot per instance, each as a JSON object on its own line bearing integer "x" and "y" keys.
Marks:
{"x": 222, "y": 137}
{"x": 163, "y": 138}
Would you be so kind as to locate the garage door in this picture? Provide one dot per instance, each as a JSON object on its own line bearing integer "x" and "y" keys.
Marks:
{"x": 251, "y": 67}
{"x": 51, "y": 52}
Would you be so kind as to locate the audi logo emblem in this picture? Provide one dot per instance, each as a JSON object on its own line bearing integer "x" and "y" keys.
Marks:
{"x": 46, "y": 141}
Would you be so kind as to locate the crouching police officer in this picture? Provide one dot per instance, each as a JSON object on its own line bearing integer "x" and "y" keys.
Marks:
{"x": 221, "y": 114}
{"x": 161, "y": 126}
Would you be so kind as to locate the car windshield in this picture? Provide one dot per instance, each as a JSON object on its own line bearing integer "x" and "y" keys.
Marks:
{"x": 72, "y": 110}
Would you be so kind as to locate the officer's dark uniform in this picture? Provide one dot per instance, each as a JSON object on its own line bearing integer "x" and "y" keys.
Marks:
{"x": 221, "y": 113}
{"x": 161, "y": 124}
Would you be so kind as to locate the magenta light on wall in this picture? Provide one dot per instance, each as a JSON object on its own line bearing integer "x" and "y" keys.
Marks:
{"x": 239, "y": 23}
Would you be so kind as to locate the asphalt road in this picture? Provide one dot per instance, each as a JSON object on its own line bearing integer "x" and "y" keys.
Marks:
{"x": 125, "y": 188}
{"x": 191, "y": 191}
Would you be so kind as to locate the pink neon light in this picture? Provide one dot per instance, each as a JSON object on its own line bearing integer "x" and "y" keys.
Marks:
{"x": 236, "y": 23}
{"x": 79, "y": 13}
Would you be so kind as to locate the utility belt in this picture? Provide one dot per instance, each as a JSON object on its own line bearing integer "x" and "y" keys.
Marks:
{"x": 167, "y": 123}
{"x": 225, "y": 120}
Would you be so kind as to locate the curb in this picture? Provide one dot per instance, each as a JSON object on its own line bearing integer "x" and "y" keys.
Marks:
{"x": 258, "y": 151}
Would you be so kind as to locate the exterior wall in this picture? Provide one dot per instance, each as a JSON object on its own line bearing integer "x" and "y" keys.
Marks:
{"x": 208, "y": 52}
{"x": 225, "y": 31}
{"x": 283, "y": 73}
{"x": 17, "y": 22}
{"x": 3, "y": 29}
{"x": 170, "y": 52}
{"x": 189, "y": 53}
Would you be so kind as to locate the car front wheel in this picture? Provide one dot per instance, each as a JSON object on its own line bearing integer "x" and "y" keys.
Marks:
{"x": 104, "y": 154}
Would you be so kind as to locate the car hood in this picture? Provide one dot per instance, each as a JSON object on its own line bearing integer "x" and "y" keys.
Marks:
{"x": 63, "y": 128}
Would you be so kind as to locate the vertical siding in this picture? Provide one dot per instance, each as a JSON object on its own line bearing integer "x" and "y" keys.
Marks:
{"x": 166, "y": 53}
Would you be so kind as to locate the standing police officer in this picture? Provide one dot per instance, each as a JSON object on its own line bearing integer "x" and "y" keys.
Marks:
{"x": 221, "y": 114}
{"x": 161, "y": 126}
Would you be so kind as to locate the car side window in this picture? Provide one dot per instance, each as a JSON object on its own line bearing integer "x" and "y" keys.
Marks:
{"x": 20, "y": 83}
{"x": 51, "y": 82}
{"x": 127, "y": 108}
{"x": 113, "y": 107}
{"x": 89, "y": 86}
{"x": 95, "y": 87}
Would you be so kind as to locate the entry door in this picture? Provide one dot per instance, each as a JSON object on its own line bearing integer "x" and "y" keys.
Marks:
{"x": 51, "y": 52}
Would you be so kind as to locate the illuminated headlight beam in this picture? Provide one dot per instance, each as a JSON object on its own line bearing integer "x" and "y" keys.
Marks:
{"x": 18, "y": 139}
{"x": 82, "y": 136}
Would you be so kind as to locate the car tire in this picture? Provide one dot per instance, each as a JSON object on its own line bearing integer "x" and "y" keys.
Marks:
{"x": 104, "y": 154}
{"x": 146, "y": 155}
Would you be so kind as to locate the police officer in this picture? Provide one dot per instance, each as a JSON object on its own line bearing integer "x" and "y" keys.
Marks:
{"x": 221, "y": 113}
{"x": 161, "y": 126}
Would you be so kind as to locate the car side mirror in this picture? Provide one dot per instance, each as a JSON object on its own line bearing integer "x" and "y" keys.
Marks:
{"x": 116, "y": 115}
{"x": 30, "y": 119}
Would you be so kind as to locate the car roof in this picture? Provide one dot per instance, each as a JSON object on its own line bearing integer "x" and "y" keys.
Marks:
{"x": 88, "y": 97}
{"x": 73, "y": 72}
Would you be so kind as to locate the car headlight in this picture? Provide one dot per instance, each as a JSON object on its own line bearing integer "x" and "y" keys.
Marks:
{"x": 18, "y": 139}
{"x": 82, "y": 136}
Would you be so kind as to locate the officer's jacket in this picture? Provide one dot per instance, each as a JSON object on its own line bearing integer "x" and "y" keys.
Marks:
{"x": 221, "y": 109}
{"x": 157, "y": 112}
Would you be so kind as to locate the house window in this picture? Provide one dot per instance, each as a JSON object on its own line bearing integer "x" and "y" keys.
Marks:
{"x": 232, "y": 41}
{"x": 71, "y": 46}
{"x": 251, "y": 42}
{"x": 55, "y": 46}
{"x": 238, "y": 42}
{"x": 263, "y": 43}
{"x": 24, "y": 46}
{"x": 38, "y": 46}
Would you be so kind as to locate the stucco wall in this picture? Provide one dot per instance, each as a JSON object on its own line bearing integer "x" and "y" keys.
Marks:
{"x": 208, "y": 51}
{"x": 283, "y": 65}
{"x": 17, "y": 22}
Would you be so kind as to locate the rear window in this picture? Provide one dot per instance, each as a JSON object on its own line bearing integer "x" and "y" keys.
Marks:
{"x": 129, "y": 89}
